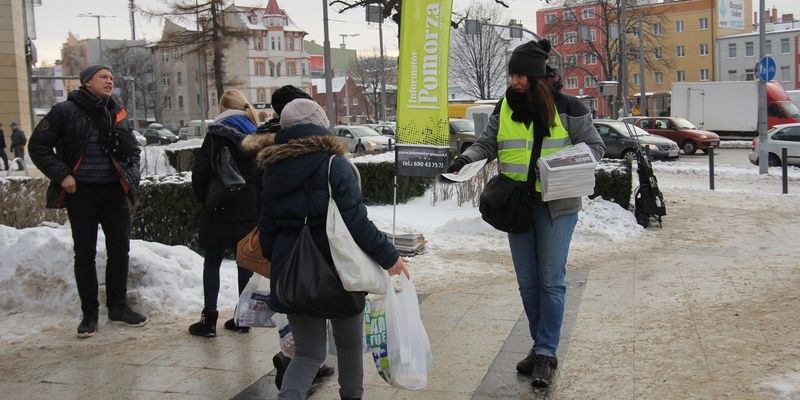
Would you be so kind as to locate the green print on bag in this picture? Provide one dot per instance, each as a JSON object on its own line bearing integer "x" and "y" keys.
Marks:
{"x": 375, "y": 334}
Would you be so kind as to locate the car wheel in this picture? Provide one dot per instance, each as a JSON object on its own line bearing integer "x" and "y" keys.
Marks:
{"x": 774, "y": 160}
{"x": 689, "y": 147}
{"x": 629, "y": 154}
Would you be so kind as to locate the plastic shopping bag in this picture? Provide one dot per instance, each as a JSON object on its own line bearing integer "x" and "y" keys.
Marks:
{"x": 375, "y": 332}
{"x": 252, "y": 309}
{"x": 285, "y": 334}
{"x": 409, "y": 350}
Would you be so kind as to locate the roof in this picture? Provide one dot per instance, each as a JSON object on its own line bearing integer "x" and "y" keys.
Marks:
{"x": 337, "y": 83}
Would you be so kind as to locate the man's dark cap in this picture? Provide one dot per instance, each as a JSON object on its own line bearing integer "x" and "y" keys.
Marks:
{"x": 530, "y": 58}
{"x": 89, "y": 71}
{"x": 285, "y": 94}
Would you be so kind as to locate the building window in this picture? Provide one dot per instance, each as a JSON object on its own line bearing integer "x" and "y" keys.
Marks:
{"x": 786, "y": 75}
{"x": 167, "y": 103}
{"x": 291, "y": 69}
{"x": 259, "y": 42}
{"x": 553, "y": 38}
{"x": 355, "y": 101}
{"x": 749, "y": 74}
{"x": 571, "y": 83}
{"x": 280, "y": 39}
{"x": 180, "y": 102}
{"x": 278, "y": 69}
{"x": 592, "y": 35}
{"x": 731, "y": 50}
{"x": 589, "y": 59}
{"x": 658, "y": 29}
{"x": 703, "y": 49}
{"x": 213, "y": 98}
{"x": 768, "y": 47}
{"x": 702, "y": 24}
{"x": 271, "y": 69}
{"x": 732, "y": 75}
{"x": 303, "y": 69}
{"x": 261, "y": 95}
{"x": 704, "y": 74}
{"x": 165, "y": 79}
{"x": 569, "y": 15}
{"x": 680, "y": 76}
{"x": 679, "y": 26}
{"x": 589, "y": 81}
{"x": 272, "y": 43}
{"x": 164, "y": 56}
{"x": 571, "y": 37}
{"x": 550, "y": 18}
{"x": 635, "y": 79}
{"x": 749, "y": 49}
{"x": 177, "y": 54}
{"x": 179, "y": 78}
{"x": 198, "y": 99}
{"x": 290, "y": 44}
{"x": 587, "y": 13}
{"x": 659, "y": 77}
{"x": 260, "y": 70}
{"x": 785, "y": 46}
{"x": 657, "y": 53}
{"x": 680, "y": 51}
{"x": 572, "y": 60}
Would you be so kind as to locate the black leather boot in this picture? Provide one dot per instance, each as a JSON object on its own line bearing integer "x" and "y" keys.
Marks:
{"x": 207, "y": 327}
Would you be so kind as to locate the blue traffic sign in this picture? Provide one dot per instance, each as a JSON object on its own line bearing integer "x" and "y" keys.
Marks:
{"x": 766, "y": 69}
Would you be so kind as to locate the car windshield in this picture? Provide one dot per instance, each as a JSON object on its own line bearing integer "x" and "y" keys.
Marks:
{"x": 165, "y": 132}
{"x": 620, "y": 127}
{"x": 463, "y": 126}
{"x": 362, "y": 131}
{"x": 681, "y": 123}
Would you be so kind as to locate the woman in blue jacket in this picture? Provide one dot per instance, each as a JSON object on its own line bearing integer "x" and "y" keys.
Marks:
{"x": 296, "y": 163}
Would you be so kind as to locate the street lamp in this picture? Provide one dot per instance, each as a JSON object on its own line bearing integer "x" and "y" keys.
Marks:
{"x": 99, "y": 37}
{"x": 515, "y": 30}
{"x": 375, "y": 14}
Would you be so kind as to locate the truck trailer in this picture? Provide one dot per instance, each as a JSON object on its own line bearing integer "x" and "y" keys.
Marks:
{"x": 730, "y": 108}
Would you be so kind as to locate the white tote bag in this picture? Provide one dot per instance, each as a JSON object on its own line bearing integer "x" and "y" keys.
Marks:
{"x": 357, "y": 270}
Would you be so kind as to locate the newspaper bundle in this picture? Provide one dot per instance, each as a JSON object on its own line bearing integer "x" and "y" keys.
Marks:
{"x": 568, "y": 173}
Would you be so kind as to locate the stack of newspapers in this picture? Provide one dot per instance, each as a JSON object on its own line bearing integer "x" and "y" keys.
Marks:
{"x": 568, "y": 173}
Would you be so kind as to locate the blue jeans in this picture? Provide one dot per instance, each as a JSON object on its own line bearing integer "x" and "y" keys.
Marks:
{"x": 540, "y": 259}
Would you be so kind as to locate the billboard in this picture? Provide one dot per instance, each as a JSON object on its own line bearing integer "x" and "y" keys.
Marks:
{"x": 730, "y": 14}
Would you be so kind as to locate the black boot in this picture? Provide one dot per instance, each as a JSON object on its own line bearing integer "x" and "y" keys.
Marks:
{"x": 544, "y": 368}
{"x": 88, "y": 325}
{"x": 207, "y": 327}
{"x": 124, "y": 314}
{"x": 281, "y": 362}
{"x": 525, "y": 366}
{"x": 231, "y": 326}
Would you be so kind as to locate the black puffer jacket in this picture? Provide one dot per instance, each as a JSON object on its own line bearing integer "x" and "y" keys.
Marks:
{"x": 66, "y": 129}
{"x": 237, "y": 213}
{"x": 298, "y": 158}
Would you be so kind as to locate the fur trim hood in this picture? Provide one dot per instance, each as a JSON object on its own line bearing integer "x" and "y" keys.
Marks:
{"x": 302, "y": 139}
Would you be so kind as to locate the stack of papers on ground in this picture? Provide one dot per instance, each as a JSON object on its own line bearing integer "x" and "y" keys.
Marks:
{"x": 568, "y": 173}
{"x": 409, "y": 244}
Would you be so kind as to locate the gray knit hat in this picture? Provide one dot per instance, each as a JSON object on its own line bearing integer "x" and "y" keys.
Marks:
{"x": 303, "y": 111}
{"x": 89, "y": 71}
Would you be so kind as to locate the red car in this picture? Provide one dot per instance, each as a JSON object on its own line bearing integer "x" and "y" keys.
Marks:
{"x": 688, "y": 137}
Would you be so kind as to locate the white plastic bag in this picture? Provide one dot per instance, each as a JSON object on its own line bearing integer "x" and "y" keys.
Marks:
{"x": 285, "y": 334}
{"x": 252, "y": 309}
{"x": 409, "y": 350}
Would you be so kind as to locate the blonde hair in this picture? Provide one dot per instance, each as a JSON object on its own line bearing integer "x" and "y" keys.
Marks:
{"x": 233, "y": 99}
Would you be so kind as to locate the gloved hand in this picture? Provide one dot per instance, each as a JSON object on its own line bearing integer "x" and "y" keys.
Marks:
{"x": 458, "y": 163}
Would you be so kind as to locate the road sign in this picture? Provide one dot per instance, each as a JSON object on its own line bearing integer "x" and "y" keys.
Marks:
{"x": 766, "y": 69}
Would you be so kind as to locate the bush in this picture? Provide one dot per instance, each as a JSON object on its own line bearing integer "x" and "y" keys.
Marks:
{"x": 612, "y": 181}
{"x": 23, "y": 202}
{"x": 166, "y": 211}
{"x": 377, "y": 180}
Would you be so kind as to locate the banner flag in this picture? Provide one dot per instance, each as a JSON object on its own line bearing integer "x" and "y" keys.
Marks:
{"x": 423, "y": 133}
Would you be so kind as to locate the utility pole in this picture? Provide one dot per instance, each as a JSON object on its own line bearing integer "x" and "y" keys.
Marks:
{"x": 326, "y": 45}
{"x": 99, "y": 36}
{"x": 623, "y": 60}
{"x": 375, "y": 14}
{"x": 132, "y": 8}
{"x": 642, "y": 92}
{"x": 763, "y": 153}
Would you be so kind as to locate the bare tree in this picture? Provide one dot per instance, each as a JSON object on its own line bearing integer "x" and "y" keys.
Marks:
{"x": 391, "y": 8}
{"x": 366, "y": 72}
{"x": 212, "y": 37}
{"x": 478, "y": 62}
{"x": 132, "y": 65}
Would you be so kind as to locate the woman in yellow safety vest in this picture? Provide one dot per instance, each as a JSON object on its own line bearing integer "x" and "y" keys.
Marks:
{"x": 532, "y": 120}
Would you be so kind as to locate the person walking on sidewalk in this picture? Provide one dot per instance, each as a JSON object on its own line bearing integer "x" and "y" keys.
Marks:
{"x": 534, "y": 119}
{"x": 295, "y": 193}
{"x": 265, "y": 136}
{"x": 94, "y": 173}
{"x": 236, "y": 214}
{"x": 3, "y": 148}
{"x": 18, "y": 142}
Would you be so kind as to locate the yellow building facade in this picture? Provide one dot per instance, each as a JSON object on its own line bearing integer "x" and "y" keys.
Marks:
{"x": 14, "y": 94}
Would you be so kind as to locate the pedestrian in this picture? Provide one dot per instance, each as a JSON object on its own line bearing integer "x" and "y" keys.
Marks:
{"x": 18, "y": 142}
{"x": 94, "y": 173}
{"x": 253, "y": 144}
{"x": 3, "y": 148}
{"x": 295, "y": 193}
{"x": 222, "y": 226}
{"x": 535, "y": 119}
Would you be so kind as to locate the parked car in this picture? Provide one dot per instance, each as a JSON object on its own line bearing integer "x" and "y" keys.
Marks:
{"x": 620, "y": 144}
{"x": 385, "y": 129}
{"x": 359, "y": 138}
{"x": 780, "y": 136}
{"x": 462, "y": 134}
{"x": 139, "y": 138}
{"x": 681, "y": 131}
{"x": 159, "y": 136}
{"x": 196, "y": 129}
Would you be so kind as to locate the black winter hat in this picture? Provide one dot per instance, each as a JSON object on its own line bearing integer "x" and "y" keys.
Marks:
{"x": 285, "y": 94}
{"x": 530, "y": 58}
{"x": 89, "y": 71}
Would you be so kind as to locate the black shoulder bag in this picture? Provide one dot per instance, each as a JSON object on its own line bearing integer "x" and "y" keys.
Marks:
{"x": 225, "y": 175}
{"x": 310, "y": 285}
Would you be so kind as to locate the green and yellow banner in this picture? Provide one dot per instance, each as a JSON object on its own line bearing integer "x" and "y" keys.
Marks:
{"x": 422, "y": 129}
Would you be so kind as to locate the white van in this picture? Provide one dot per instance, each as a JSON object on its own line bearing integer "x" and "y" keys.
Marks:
{"x": 196, "y": 129}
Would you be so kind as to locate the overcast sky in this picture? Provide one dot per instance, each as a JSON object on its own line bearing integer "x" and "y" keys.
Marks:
{"x": 55, "y": 18}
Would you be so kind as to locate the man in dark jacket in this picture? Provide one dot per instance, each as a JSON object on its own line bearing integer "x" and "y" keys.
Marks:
{"x": 3, "y": 148}
{"x": 280, "y": 98}
{"x": 18, "y": 142}
{"x": 86, "y": 148}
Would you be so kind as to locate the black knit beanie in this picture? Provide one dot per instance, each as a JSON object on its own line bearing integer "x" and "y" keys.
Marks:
{"x": 89, "y": 71}
{"x": 530, "y": 58}
{"x": 284, "y": 95}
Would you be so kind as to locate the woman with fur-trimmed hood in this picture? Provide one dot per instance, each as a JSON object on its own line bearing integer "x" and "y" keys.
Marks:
{"x": 295, "y": 163}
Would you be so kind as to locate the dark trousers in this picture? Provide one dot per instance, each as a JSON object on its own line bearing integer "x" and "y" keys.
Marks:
{"x": 108, "y": 207}
{"x": 4, "y": 157}
{"x": 211, "y": 263}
